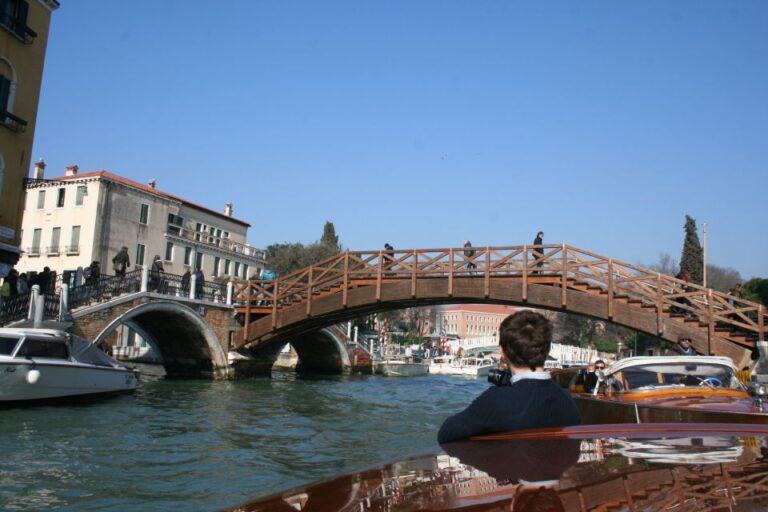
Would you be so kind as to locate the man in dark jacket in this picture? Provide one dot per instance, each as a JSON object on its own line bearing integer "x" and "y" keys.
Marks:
{"x": 538, "y": 252}
{"x": 121, "y": 262}
{"x": 533, "y": 400}
{"x": 684, "y": 346}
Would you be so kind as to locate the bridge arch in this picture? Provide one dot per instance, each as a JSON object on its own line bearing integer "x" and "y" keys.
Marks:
{"x": 187, "y": 344}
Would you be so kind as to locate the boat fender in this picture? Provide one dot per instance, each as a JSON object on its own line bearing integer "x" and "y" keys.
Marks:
{"x": 33, "y": 376}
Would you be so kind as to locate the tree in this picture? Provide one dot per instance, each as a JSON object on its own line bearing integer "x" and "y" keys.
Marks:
{"x": 756, "y": 290}
{"x": 666, "y": 265}
{"x": 721, "y": 278}
{"x": 692, "y": 260}
{"x": 289, "y": 257}
{"x": 329, "y": 237}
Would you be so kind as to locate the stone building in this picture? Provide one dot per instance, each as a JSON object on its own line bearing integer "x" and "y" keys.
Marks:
{"x": 72, "y": 220}
{"x": 23, "y": 41}
{"x": 472, "y": 320}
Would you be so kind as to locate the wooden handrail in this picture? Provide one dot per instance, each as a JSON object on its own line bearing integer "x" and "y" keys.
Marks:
{"x": 575, "y": 267}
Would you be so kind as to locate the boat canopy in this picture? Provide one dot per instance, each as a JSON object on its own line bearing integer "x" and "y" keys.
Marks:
{"x": 86, "y": 352}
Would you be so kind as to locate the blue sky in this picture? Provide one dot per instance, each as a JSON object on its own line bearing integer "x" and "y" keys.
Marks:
{"x": 422, "y": 123}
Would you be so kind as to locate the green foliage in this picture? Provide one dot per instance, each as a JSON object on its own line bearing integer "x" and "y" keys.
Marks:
{"x": 604, "y": 344}
{"x": 330, "y": 238}
{"x": 406, "y": 339}
{"x": 756, "y": 290}
{"x": 288, "y": 257}
{"x": 692, "y": 260}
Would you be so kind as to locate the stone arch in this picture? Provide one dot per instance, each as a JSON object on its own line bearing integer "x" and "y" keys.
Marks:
{"x": 321, "y": 351}
{"x": 187, "y": 345}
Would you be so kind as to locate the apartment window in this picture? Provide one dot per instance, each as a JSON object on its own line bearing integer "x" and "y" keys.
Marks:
{"x": 60, "y": 197}
{"x": 13, "y": 16}
{"x": 36, "y": 235}
{"x": 40, "y": 199}
{"x": 199, "y": 260}
{"x": 82, "y": 191}
{"x": 140, "y": 249}
{"x": 74, "y": 239}
{"x": 175, "y": 223}
{"x": 144, "y": 214}
{"x": 187, "y": 255}
{"x": 55, "y": 239}
{"x": 237, "y": 268}
{"x": 198, "y": 229}
{"x": 169, "y": 251}
{"x": 245, "y": 270}
{"x": 226, "y": 267}
{"x": 216, "y": 261}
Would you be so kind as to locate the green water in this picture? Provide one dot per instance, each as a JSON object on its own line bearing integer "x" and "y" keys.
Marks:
{"x": 199, "y": 445}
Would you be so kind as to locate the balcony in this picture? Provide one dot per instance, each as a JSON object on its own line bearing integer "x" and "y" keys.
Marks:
{"x": 33, "y": 252}
{"x": 73, "y": 250}
{"x": 225, "y": 244}
{"x": 12, "y": 122}
{"x": 52, "y": 250}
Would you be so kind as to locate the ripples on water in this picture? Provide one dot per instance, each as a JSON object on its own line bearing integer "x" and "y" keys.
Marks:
{"x": 200, "y": 445}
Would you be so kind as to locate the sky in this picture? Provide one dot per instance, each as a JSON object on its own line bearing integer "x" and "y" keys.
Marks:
{"x": 424, "y": 123}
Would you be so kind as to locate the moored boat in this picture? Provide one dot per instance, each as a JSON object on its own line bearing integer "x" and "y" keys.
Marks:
{"x": 665, "y": 389}
{"x": 401, "y": 368}
{"x": 440, "y": 365}
{"x": 39, "y": 365}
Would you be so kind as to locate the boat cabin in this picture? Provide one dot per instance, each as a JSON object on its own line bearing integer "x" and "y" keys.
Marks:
{"x": 21, "y": 344}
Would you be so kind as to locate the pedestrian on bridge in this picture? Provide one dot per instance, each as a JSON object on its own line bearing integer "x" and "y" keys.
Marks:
{"x": 199, "y": 282}
{"x": 469, "y": 253}
{"x": 185, "y": 283}
{"x": 121, "y": 262}
{"x": 156, "y": 273}
{"x": 538, "y": 251}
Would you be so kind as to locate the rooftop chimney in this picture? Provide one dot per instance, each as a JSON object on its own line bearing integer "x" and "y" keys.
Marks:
{"x": 39, "y": 170}
{"x": 228, "y": 209}
{"x": 71, "y": 170}
{"x": 152, "y": 183}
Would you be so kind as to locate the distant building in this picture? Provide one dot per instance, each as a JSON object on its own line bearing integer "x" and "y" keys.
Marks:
{"x": 72, "y": 220}
{"x": 23, "y": 41}
{"x": 472, "y": 320}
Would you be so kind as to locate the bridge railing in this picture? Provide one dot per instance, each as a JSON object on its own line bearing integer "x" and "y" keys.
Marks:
{"x": 14, "y": 308}
{"x": 106, "y": 288}
{"x": 554, "y": 264}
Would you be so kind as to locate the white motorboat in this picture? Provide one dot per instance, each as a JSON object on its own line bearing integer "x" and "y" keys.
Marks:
{"x": 402, "y": 368}
{"x": 441, "y": 365}
{"x": 472, "y": 366}
{"x": 44, "y": 364}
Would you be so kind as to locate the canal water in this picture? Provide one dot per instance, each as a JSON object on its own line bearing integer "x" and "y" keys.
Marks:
{"x": 201, "y": 445}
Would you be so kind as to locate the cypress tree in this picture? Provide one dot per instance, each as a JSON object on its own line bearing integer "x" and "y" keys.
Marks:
{"x": 692, "y": 260}
{"x": 330, "y": 238}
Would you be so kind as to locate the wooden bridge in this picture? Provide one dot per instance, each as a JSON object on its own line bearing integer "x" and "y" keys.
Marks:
{"x": 555, "y": 277}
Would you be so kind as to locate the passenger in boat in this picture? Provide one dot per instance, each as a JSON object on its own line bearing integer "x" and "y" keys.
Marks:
{"x": 529, "y": 399}
{"x": 684, "y": 346}
{"x": 591, "y": 379}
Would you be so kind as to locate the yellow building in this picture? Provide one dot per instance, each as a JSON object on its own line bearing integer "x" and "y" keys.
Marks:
{"x": 23, "y": 40}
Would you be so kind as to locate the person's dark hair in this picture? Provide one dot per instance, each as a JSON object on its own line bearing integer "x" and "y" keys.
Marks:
{"x": 599, "y": 361}
{"x": 526, "y": 337}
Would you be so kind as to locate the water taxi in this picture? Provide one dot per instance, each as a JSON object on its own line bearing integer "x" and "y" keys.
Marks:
{"x": 38, "y": 365}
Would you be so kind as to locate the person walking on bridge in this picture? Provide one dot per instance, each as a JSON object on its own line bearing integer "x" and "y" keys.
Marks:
{"x": 538, "y": 251}
{"x": 121, "y": 262}
{"x": 469, "y": 253}
{"x": 156, "y": 273}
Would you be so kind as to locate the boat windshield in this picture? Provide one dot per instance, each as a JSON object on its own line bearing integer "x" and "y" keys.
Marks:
{"x": 7, "y": 344}
{"x": 52, "y": 349}
{"x": 677, "y": 374}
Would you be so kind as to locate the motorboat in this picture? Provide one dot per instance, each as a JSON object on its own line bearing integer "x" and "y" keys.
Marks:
{"x": 440, "y": 365}
{"x": 401, "y": 368}
{"x": 473, "y": 366}
{"x": 45, "y": 364}
{"x": 663, "y": 466}
{"x": 666, "y": 389}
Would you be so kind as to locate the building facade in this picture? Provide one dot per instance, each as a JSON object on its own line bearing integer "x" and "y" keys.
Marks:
{"x": 472, "y": 320}
{"x": 72, "y": 220}
{"x": 23, "y": 40}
